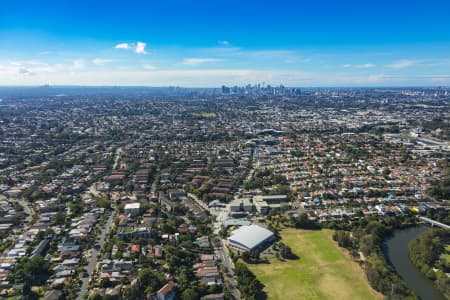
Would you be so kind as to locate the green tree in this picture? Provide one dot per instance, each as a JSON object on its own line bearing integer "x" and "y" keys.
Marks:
{"x": 190, "y": 294}
{"x": 150, "y": 278}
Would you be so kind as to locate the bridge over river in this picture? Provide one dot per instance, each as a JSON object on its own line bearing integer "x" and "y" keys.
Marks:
{"x": 434, "y": 223}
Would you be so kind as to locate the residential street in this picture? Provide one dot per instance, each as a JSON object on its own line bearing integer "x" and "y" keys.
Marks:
{"x": 198, "y": 201}
{"x": 228, "y": 267}
{"x": 27, "y": 223}
{"x": 92, "y": 260}
{"x": 119, "y": 153}
{"x": 222, "y": 251}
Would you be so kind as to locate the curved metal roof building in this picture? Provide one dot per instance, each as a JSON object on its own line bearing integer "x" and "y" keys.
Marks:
{"x": 247, "y": 238}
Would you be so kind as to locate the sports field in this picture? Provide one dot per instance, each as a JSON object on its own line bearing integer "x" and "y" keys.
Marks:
{"x": 323, "y": 270}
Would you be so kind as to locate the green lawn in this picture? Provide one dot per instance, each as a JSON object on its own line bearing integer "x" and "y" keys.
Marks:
{"x": 323, "y": 270}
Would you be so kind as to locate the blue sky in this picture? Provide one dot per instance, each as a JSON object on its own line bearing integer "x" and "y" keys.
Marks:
{"x": 210, "y": 43}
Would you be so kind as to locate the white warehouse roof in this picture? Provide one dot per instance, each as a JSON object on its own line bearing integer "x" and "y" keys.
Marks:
{"x": 134, "y": 205}
{"x": 249, "y": 237}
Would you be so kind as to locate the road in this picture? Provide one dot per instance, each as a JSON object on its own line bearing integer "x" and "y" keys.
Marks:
{"x": 93, "y": 190}
{"x": 228, "y": 265}
{"x": 27, "y": 208}
{"x": 154, "y": 185}
{"x": 198, "y": 201}
{"x": 253, "y": 169}
{"x": 221, "y": 215}
{"x": 119, "y": 152}
{"x": 92, "y": 260}
{"x": 222, "y": 251}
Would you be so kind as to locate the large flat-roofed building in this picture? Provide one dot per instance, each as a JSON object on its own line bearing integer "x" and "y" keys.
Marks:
{"x": 132, "y": 208}
{"x": 236, "y": 222}
{"x": 247, "y": 238}
{"x": 271, "y": 199}
{"x": 261, "y": 206}
{"x": 242, "y": 204}
{"x": 264, "y": 203}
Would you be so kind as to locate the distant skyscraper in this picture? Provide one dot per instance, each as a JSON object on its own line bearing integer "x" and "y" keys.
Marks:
{"x": 225, "y": 90}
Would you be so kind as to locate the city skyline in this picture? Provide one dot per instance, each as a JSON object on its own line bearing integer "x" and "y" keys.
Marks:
{"x": 202, "y": 44}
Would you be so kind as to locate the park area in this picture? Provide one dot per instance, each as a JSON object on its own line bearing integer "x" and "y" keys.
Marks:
{"x": 322, "y": 271}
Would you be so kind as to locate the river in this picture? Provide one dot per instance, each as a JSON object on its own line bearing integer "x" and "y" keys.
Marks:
{"x": 396, "y": 250}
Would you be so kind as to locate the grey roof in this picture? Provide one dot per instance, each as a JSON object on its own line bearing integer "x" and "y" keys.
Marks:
{"x": 250, "y": 236}
{"x": 53, "y": 295}
{"x": 236, "y": 222}
{"x": 39, "y": 250}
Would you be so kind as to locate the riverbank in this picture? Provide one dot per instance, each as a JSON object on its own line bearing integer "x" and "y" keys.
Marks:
{"x": 427, "y": 252}
{"x": 395, "y": 248}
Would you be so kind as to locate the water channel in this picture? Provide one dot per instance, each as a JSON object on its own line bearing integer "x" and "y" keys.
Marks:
{"x": 396, "y": 250}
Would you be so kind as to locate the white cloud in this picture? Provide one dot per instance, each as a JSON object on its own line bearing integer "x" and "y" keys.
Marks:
{"x": 30, "y": 67}
{"x": 294, "y": 59}
{"x": 231, "y": 52}
{"x": 149, "y": 67}
{"x": 77, "y": 73}
{"x": 224, "y": 43}
{"x": 440, "y": 79}
{"x": 400, "y": 64}
{"x": 138, "y": 47}
{"x": 220, "y": 51}
{"x": 188, "y": 78}
{"x": 100, "y": 61}
{"x": 365, "y": 66}
{"x": 271, "y": 53}
{"x": 123, "y": 46}
{"x": 198, "y": 78}
{"x": 375, "y": 78}
{"x": 78, "y": 64}
{"x": 24, "y": 71}
{"x": 30, "y": 62}
{"x": 362, "y": 66}
{"x": 198, "y": 61}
